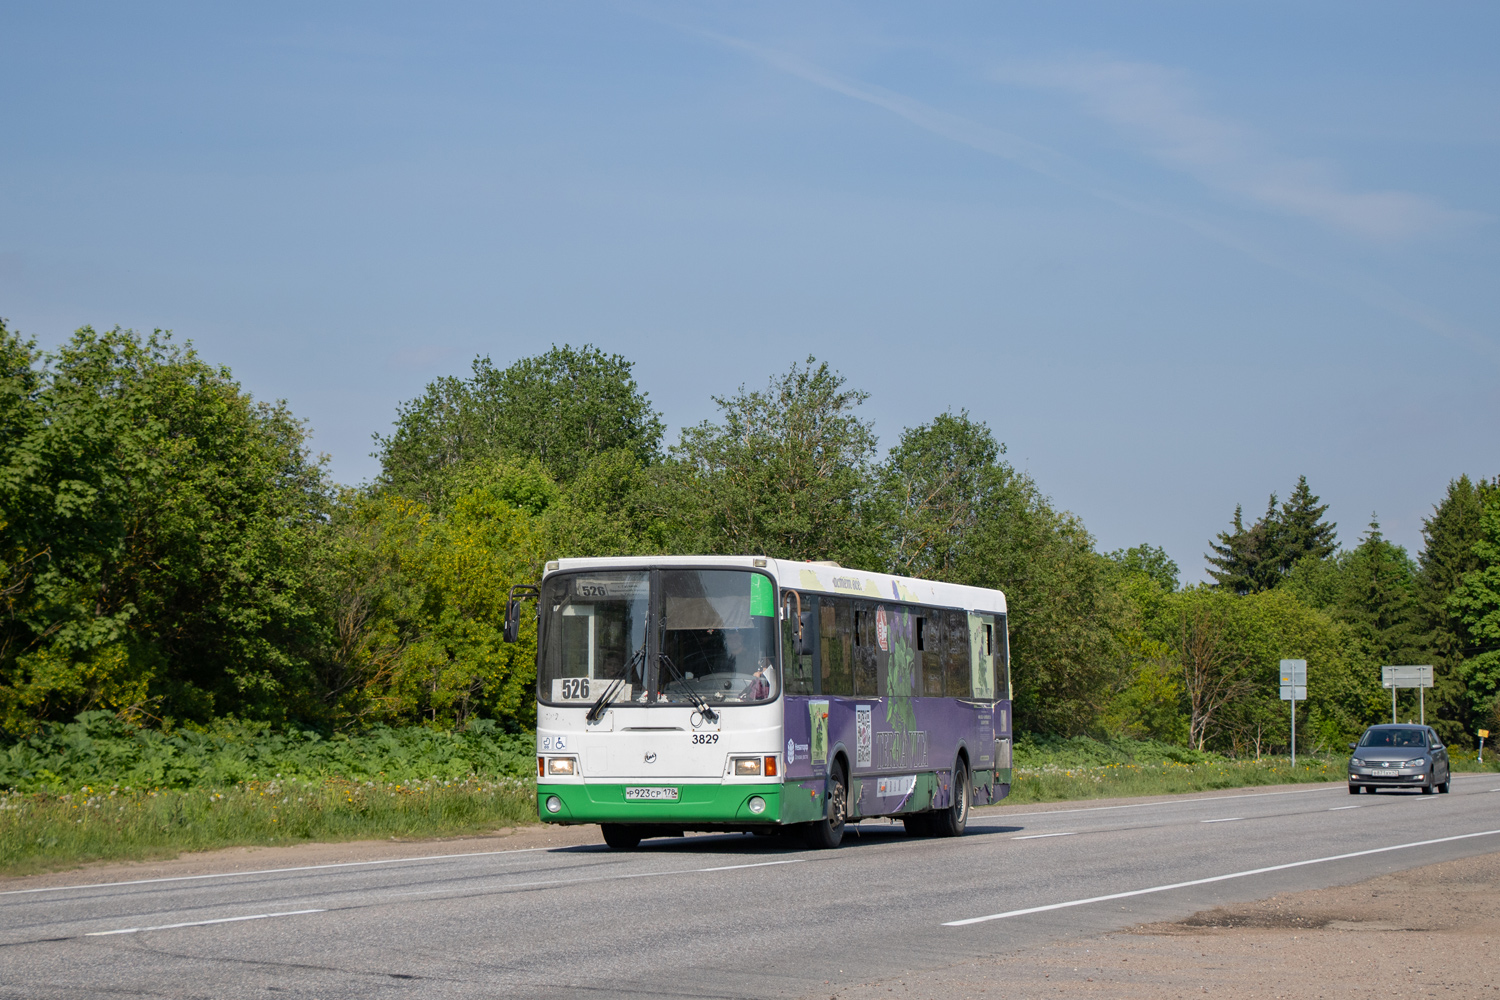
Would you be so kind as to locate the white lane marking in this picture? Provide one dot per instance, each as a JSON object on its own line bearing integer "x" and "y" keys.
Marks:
{"x": 503, "y": 886}
{"x": 1337, "y": 808}
{"x": 1226, "y": 819}
{"x": 1215, "y": 878}
{"x": 273, "y": 871}
{"x": 1039, "y": 836}
{"x": 201, "y": 923}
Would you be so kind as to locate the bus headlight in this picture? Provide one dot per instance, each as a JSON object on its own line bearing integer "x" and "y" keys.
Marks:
{"x": 746, "y": 766}
{"x": 554, "y": 804}
{"x": 757, "y": 804}
{"x": 562, "y": 765}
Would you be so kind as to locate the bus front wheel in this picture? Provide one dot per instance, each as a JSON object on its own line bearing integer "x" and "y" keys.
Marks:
{"x": 621, "y": 838}
{"x": 951, "y": 822}
{"x": 828, "y": 832}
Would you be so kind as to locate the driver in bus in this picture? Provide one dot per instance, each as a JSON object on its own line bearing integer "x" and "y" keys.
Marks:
{"x": 759, "y": 687}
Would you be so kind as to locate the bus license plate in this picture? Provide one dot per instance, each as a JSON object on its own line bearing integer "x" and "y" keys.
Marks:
{"x": 1384, "y": 772}
{"x": 650, "y": 794}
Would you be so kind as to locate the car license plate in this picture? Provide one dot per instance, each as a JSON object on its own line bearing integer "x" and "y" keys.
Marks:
{"x": 1384, "y": 772}
{"x": 650, "y": 794}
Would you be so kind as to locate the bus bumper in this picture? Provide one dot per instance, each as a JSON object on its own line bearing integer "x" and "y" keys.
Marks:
{"x": 606, "y": 803}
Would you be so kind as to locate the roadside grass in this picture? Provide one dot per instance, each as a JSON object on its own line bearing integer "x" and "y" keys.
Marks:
{"x": 1058, "y": 770}
{"x": 1054, "y": 783}
{"x": 99, "y": 790}
{"x": 42, "y": 831}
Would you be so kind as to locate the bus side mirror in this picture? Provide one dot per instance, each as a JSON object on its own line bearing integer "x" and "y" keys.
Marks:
{"x": 512, "y": 620}
{"x": 518, "y": 593}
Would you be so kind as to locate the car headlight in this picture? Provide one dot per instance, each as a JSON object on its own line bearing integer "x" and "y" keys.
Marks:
{"x": 1414, "y": 763}
{"x": 745, "y": 766}
{"x": 1356, "y": 762}
{"x": 562, "y": 765}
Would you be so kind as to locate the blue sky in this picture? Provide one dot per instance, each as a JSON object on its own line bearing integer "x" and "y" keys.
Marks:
{"x": 1174, "y": 254}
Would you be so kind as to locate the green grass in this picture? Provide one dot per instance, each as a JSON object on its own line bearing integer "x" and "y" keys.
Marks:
{"x": 98, "y": 790}
{"x": 41, "y": 831}
{"x": 1056, "y": 783}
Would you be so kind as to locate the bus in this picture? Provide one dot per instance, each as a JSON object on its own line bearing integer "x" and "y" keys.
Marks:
{"x": 750, "y": 694}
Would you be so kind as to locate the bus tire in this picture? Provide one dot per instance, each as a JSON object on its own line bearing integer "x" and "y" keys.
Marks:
{"x": 951, "y": 822}
{"x": 828, "y": 832}
{"x": 620, "y": 837}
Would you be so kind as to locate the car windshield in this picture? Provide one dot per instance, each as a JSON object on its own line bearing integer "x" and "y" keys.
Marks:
{"x": 1394, "y": 738}
{"x": 714, "y": 643}
{"x": 718, "y": 640}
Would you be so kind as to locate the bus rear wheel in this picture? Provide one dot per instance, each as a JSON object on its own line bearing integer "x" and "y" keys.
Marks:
{"x": 828, "y": 832}
{"x": 621, "y": 838}
{"x": 951, "y": 822}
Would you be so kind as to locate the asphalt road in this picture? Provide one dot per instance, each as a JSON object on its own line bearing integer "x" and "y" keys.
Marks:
{"x": 717, "y": 916}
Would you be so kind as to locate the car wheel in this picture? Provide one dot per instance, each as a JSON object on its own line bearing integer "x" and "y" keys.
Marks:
{"x": 828, "y": 832}
{"x": 1443, "y": 787}
{"x": 620, "y": 837}
{"x": 1353, "y": 788}
{"x": 951, "y": 821}
{"x": 1429, "y": 788}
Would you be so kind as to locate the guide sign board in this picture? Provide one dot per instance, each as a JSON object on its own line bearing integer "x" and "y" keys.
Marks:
{"x": 1417, "y": 676}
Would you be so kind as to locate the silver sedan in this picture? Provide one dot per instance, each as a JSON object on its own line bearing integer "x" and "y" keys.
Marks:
{"x": 1396, "y": 756}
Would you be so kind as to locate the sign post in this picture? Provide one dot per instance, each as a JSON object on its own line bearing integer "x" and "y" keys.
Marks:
{"x": 1482, "y": 734}
{"x": 1294, "y": 689}
{"x": 1418, "y": 677}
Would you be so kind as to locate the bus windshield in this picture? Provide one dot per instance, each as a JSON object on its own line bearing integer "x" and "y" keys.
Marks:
{"x": 718, "y": 639}
{"x": 714, "y": 638}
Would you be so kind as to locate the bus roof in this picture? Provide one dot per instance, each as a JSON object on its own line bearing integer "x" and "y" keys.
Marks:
{"x": 827, "y": 578}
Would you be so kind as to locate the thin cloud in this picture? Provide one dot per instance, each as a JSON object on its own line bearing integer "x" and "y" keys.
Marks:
{"x": 1060, "y": 167}
{"x": 1159, "y": 108}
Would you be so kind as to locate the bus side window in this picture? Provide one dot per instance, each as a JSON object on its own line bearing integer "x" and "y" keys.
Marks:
{"x": 836, "y": 638}
{"x": 866, "y": 649}
{"x": 930, "y": 644}
{"x": 798, "y": 670}
{"x": 956, "y": 676}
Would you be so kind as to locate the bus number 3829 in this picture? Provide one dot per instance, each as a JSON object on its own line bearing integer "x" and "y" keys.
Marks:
{"x": 705, "y": 737}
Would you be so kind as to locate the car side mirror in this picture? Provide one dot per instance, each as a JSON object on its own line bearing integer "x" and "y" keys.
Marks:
{"x": 1354, "y": 746}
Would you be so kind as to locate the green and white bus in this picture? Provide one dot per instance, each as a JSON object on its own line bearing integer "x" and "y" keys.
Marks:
{"x": 743, "y": 693}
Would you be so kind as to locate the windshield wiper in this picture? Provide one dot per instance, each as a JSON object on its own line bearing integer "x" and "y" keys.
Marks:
{"x": 698, "y": 700}
{"x": 596, "y": 712}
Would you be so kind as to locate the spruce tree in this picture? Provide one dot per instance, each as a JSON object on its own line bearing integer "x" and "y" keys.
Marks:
{"x": 1301, "y": 531}
{"x": 1449, "y": 537}
{"x": 1378, "y": 600}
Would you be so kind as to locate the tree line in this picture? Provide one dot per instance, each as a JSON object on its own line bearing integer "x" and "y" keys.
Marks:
{"x": 171, "y": 551}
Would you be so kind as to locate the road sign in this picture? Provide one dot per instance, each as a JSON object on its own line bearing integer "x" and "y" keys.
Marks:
{"x": 1294, "y": 674}
{"x": 1419, "y": 677}
{"x": 1294, "y": 689}
{"x": 1405, "y": 677}
{"x": 1484, "y": 734}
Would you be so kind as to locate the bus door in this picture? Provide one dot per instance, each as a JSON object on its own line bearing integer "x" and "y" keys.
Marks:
{"x": 982, "y": 685}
